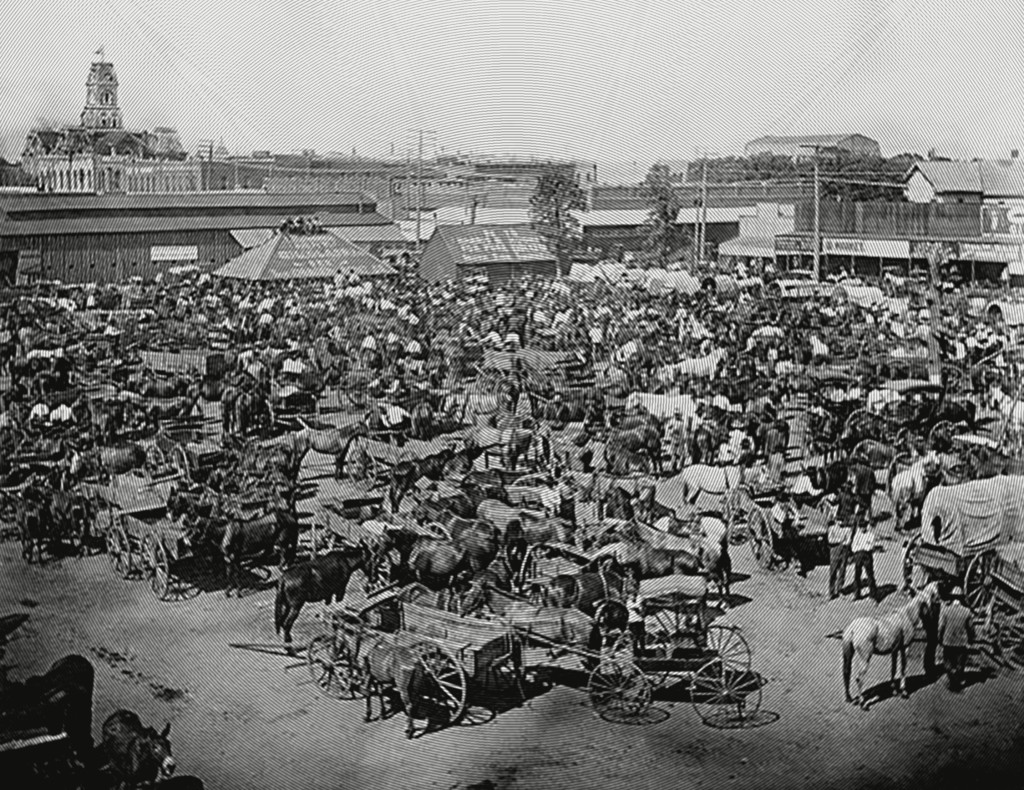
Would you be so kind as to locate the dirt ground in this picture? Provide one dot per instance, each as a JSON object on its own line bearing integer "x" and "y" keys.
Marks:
{"x": 246, "y": 719}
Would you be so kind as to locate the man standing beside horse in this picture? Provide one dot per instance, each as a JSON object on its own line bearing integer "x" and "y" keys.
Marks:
{"x": 840, "y": 535}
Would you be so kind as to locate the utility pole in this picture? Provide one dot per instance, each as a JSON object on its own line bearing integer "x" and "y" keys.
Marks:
{"x": 703, "y": 209}
{"x": 817, "y": 211}
{"x": 421, "y": 191}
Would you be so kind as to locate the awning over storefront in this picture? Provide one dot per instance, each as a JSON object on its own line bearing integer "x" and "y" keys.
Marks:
{"x": 748, "y": 247}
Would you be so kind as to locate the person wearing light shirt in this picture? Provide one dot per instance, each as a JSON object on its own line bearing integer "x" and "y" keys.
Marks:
{"x": 840, "y": 534}
{"x": 863, "y": 547}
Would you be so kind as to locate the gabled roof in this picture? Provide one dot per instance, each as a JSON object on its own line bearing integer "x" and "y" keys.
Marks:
{"x": 989, "y": 178}
{"x": 473, "y": 245}
{"x": 950, "y": 176}
{"x": 320, "y": 256}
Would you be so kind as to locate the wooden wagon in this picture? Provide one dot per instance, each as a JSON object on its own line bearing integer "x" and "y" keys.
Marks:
{"x": 803, "y": 536}
{"x": 963, "y": 528}
{"x": 1003, "y": 586}
{"x": 463, "y": 659}
{"x": 142, "y": 542}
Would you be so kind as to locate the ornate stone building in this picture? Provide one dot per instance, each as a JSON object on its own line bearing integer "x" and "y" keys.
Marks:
{"x": 100, "y": 155}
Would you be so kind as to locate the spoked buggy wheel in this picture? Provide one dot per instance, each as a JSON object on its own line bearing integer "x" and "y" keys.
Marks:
{"x": 445, "y": 695}
{"x": 619, "y": 690}
{"x": 332, "y": 669}
{"x": 725, "y": 697}
{"x": 159, "y": 569}
{"x": 117, "y": 541}
{"x": 978, "y": 581}
{"x": 728, "y": 644}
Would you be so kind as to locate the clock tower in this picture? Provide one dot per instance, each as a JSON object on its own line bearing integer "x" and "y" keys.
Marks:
{"x": 101, "y": 110}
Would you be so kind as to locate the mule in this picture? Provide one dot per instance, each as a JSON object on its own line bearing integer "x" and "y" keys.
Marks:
{"x": 890, "y": 636}
{"x": 907, "y": 489}
{"x": 335, "y": 442}
{"x": 435, "y": 563}
{"x": 136, "y": 755}
{"x": 318, "y": 579}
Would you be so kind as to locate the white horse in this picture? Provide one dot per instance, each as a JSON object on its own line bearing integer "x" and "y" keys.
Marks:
{"x": 868, "y": 636}
{"x": 909, "y": 487}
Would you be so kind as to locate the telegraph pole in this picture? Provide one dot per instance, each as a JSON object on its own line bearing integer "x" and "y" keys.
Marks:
{"x": 817, "y": 211}
{"x": 421, "y": 189}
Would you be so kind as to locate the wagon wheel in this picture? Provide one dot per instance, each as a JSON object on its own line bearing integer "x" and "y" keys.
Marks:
{"x": 915, "y": 576}
{"x": 332, "y": 668}
{"x": 762, "y": 544}
{"x": 1010, "y": 636}
{"x": 159, "y": 569}
{"x": 124, "y": 562}
{"x": 729, "y": 645}
{"x": 724, "y": 697}
{"x": 619, "y": 690}
{"x": 446, "y": 693}
{"x": 978, "y": 581}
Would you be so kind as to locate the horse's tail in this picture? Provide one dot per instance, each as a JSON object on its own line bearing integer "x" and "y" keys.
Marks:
{"x": 848, "y": 651}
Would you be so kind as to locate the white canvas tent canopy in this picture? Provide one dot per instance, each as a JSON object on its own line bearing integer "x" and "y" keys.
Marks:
{"x": 971, "y": 517}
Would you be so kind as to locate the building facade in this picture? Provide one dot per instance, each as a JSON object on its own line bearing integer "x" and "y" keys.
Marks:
{"x": 802, "y": 146}
{"x": 100, "y": 156}
{"x": 111, "y": 238}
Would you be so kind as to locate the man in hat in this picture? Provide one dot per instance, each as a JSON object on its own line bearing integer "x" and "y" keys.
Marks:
{"x": 840, "y": 535}
{"x": 956, "y": 633}
{"x": 863, "y": 548}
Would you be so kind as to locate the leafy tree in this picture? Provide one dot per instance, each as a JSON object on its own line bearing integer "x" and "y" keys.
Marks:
{"x": 556, "y": 195}
{"x": 662, "y": 236}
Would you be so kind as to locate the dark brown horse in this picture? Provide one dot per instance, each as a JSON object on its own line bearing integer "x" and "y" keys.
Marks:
{"x": 257, "y": 538}
{"x": 135, "y": 755}
{"x": 435, "y": 563}
{"x": 317, "y": 579}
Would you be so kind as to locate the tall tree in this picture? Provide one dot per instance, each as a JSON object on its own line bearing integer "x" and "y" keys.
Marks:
{"x": 556, "y": 196}
{"x": 662, "y": 236}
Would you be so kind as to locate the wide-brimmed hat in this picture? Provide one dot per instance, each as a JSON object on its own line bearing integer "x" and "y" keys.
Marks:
{"x": 957, "y": 593}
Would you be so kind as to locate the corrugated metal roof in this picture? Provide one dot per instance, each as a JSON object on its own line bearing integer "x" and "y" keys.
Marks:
{"x": 252, "y": 237}
{"x": 320, "y": 256}
{"x": 122, "y": 224}
{"x": 748, "y": 247}
{"x": 474, "y": 245}
{"x": 1001, "y": 179}
{"x": 951, "y": 176}
{"x": 369, "y": 234}
{"x": 12, "y": 204}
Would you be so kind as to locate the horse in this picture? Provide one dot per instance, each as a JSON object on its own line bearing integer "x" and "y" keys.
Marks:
{"x": 534, "y": 530}
{"x": 499, "y": 575}
{"x": 909, "y": 487}
{"x": 868, "y": 636}
{"x": 405, "y": 473}
{"x": 599, "y": 594}
{"x": 335, "y": 442}
{"x": 316, "y": 579}
{"x": 254, "y": 537}
{"x": 135, "y": 754}
{"x": 832, "y": 477}
{"x": 70, "y": 514}
{"x": 435, "y": 563}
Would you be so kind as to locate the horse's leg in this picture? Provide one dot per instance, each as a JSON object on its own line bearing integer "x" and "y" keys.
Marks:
{"x": 371, "y": 689}
{"x": 862, "y": 669}
{"x": 904, "y": 692}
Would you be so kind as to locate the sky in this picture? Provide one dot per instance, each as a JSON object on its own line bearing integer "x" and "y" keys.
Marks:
{"x": 593, "y": 80}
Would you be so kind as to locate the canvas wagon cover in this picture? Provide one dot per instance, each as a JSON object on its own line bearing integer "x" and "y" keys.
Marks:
{"x": 974, "y": 516}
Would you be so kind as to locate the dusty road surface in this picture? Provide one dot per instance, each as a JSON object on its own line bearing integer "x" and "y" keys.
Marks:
{"x": 242, "y": 719}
